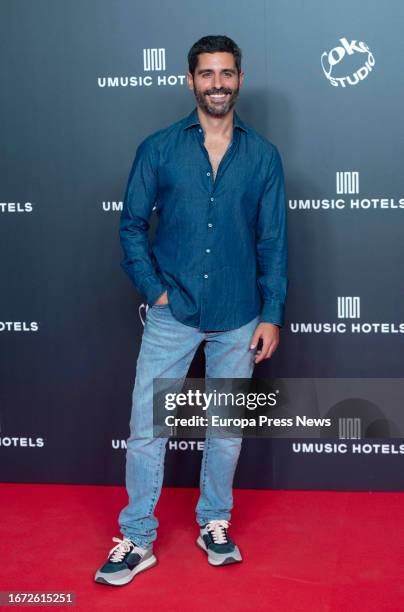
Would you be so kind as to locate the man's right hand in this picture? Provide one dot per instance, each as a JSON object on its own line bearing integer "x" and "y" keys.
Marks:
{"x": 163, "y": 299}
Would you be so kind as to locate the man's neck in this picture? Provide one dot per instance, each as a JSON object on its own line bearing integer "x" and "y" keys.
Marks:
{"x": 219, "y": 127}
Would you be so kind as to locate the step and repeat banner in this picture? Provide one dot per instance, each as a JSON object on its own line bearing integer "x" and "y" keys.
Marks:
{"x": 83, "y": 83}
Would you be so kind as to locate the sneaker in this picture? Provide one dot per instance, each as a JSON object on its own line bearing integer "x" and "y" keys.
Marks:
{"x": 125, "y": 560}
{"x": 214, "y": 540}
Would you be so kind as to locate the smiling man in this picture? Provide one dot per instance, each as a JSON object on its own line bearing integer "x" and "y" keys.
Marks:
{"x": 216, "y": 273}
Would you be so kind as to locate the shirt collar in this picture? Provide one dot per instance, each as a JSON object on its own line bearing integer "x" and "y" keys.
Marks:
{"x": 193, "y": 119}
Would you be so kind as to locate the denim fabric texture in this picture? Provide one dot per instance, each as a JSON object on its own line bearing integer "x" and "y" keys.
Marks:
{"x": 167, "y": 349}
{"x": 220, "y": 248}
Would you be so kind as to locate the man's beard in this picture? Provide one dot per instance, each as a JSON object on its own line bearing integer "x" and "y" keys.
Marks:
{"x": 216, "y": 109}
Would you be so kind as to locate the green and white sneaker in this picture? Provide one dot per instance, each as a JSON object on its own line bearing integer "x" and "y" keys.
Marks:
{"x": 125, "y": 560}
{"x": 214, "y": 540}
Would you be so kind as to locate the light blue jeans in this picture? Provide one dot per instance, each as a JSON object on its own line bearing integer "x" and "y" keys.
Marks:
{"x": 167, "y": 349}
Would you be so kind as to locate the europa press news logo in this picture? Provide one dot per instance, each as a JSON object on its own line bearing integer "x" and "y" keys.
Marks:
{"x": 340, "y": 63}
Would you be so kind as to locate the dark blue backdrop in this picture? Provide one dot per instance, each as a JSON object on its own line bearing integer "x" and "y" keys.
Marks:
{"x": 82, "y": 84}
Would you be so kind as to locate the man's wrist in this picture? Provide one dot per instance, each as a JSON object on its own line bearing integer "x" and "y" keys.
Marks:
{"x": 270, "y": 323}
{"x": 272, "y": 312}
{"x": 154, "y": 293}
{"x": 163, "y": 299}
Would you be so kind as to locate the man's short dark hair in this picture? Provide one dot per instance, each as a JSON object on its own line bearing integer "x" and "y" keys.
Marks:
{"x": 213, "y": 44}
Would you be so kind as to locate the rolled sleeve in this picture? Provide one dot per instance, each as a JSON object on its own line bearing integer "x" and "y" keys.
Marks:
{"x": 271, "y": 245}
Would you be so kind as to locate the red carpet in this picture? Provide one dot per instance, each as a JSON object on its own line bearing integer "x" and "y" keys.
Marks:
{"x": 303, "y": 550}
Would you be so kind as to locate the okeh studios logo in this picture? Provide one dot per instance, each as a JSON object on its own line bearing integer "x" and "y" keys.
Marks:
{"x": 348, "y": 63}
{"x": 152, "y": 73}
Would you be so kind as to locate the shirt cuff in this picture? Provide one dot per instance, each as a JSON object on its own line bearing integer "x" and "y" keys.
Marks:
{"x": 273, "y": 312}
{"x": 152, "y": 289}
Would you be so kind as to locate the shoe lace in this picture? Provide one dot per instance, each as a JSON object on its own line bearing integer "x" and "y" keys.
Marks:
{"x": 117, "y": 553}
{"x": 218, "y": 530}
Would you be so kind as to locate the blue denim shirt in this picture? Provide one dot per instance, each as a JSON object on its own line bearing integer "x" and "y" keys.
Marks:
{"x": 220, "y": 247}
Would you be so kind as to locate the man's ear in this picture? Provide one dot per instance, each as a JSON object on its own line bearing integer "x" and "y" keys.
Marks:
{"x": 190, "y": 81}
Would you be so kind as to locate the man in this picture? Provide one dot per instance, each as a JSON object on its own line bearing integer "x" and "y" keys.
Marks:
{"x": 217, "y": 273}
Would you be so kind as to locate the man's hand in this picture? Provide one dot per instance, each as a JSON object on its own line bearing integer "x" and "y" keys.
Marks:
{"x": 163, "y": 299}
{"x": 270, "y": 340}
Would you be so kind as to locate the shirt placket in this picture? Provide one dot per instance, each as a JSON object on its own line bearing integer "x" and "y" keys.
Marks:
{"x": 212, "y": 239}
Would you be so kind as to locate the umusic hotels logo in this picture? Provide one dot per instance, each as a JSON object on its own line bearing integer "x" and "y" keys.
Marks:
{"x": 19, "y": 326}
{"x": 16, "y": 207}
{"x": 348, "y": 307}
{"x": 114, "y": 206}
{"x": 21, "y": 442}
{"x": 347, "y": 183}
{"x": 154, "y": 61}
{"x": 182, "y": 445}
{"x": 342, "y": 448}
{"x": 349, "y": 428}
